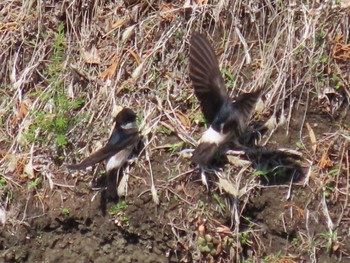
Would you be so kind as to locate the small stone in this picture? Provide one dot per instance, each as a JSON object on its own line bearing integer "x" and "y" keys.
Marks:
{"x": 106, "y": 248}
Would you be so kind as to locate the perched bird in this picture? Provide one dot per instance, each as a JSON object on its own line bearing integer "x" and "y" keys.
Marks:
{"x": 123, "y": 141}
{"x": 227, "y": 117}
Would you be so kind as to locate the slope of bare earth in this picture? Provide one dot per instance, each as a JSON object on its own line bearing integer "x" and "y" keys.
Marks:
{"x": 67, "y": 69}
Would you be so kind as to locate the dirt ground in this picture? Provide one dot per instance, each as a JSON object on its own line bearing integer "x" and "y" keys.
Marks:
{"x": 276, "y": 224}
{"x": 268, "y": 205}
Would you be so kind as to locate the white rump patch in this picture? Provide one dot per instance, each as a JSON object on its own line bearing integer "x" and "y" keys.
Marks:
{"x": 118, "y": 160}
{"x": 212, "y": 136}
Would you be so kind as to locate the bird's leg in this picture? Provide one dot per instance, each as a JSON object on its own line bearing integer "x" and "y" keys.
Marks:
{"x": 205, "y": 169}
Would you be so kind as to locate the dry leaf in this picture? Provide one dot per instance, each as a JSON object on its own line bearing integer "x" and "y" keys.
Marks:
{"x": 223, "y": 229}
{"x": 123, "y": 186}
{"x": 340, "y": 50}
{"x": 21, "y": 112}
{"x": 167, "y": 126}
{"x": 312, "y": 137}
{"x": 109, "y": 73}
{"x": 19, "y": 163}
{"x": 300, "y": 211}
{"x": 201, "y": 2}
{"x": 325, "y": 162}
{"x": 137, "y": 72}
{"x": 335, "y": 247}
{"x": 119, "y": 23}
{"x": 345, "y": 3}
{"x": 116, "y": 110}
{"x": 227, "y": 186}
{"x": 286, "y": 259}
{"x": 189, "y": 4}
{"x": 12, "y": 163}
{"x": 128, "y": 32}
{"x": 201, "y": 230}
{"x": 154, "y": 195}
{"x": 167, "y": 12}
{"x": 21, "y": 139}
{"x": 29, "y": 170}
{"x": 91, "y": 56}
{"x": 260, "y": 106}
{"x": 237, "y": 161}
{"x": 136, "y": 57}
{"x": 183, "y": 119}
{"x": 271, "y": 123}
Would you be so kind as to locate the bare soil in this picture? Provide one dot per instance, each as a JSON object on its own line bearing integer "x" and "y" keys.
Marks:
{"x": 268, "y": 206}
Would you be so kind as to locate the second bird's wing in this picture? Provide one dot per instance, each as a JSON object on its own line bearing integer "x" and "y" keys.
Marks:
{"x": 244, "y": 106}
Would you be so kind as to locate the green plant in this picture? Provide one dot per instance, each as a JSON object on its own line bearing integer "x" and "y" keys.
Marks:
{"x": 296, "y": 241}
{"x": 124, "y": 219}
{"x": 219, "y": 201}
{"x": 55, "y": 118}
{"x": 118, "y": 207}
{"x": 174, "y": 147}
{"x": 244, "y": 238}
{"x": 331, "y": 239}
{"x": 231, "y": 80}
{"x": 273, "y": 258}
{"x": 65, "y": 211}
{"x": 201, "y": 204}
{"x": 2, "y": 181}
{"x": 118, "y": 212}
{"x": 333, "y": 171}
{"x": 299, "y": 145}
{"x": 247, "y": 260}
{"x": 262, "y": 173}
{"x": 320, "y": 37}
{"x": 336, "y": 81}
{"x": 34, "y": 184}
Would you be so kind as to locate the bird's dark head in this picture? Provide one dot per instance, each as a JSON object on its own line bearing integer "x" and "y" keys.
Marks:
{"x": 125, "y": 116}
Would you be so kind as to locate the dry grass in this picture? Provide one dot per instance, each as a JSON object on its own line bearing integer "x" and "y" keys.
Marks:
{"x": 61, "y": 86}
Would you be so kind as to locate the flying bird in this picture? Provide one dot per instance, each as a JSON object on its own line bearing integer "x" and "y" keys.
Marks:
{"x": 121, "y": 144}
{"x": 227, "y": 117}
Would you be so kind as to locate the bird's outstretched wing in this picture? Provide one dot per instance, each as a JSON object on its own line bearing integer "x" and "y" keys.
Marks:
{"x": 242, "y": 109}
{"x": 115, "y": 144}
{"x": 245, "y": 103}
{"x": 206, "y": 77}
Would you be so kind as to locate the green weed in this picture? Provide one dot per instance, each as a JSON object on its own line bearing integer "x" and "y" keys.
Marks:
{"x": 35, "y": 184}
{"x": 118, "y": 207}
{"x": 218, "y": 199}
{"x": 65, "y": 211}
{"x": 56, "y": 118}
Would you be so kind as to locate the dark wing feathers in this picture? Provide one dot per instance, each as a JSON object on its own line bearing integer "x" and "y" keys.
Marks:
{"x": 109, "y": 150}
{"x": 245, "y": 103}
{"x": 94, "y": 158}
{"x": 243, "y": 107}
{"x": 204, "y": 153}
{"x": 206, "y": 77}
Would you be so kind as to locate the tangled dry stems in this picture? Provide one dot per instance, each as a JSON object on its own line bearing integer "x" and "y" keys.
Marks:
{"x": 135, "y": 55}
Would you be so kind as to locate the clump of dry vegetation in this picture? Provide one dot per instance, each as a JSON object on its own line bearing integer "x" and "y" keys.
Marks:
{"x": 68, "y": 67}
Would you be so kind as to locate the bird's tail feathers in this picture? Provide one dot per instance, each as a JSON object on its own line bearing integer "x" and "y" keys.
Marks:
{"x": 204, "y": 153}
